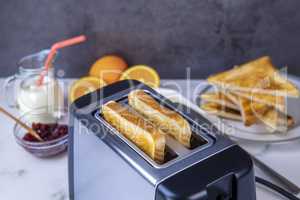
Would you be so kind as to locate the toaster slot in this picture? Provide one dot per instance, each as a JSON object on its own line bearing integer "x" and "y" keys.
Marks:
{"x": 174, "y": 151}
{"x": 197, "y": 141}
{"x": 169, "y": 154}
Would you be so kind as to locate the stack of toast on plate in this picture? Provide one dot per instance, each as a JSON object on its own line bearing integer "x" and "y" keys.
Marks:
{"x": 255, "y": 92}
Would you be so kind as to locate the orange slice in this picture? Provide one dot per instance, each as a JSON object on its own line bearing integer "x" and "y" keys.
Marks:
{"x": 144, "y": 74}
{"x": 84, "y": 86}
{"x": 109, "y": 68}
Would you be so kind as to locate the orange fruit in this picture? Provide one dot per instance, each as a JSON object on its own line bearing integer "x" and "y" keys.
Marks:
{"x": 108, "y": 68}
{"x": 84, "y": 86}
{"x": 144, "y": 74}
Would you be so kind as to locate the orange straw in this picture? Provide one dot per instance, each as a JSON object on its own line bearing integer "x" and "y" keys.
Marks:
{"x": 54, "y": 48}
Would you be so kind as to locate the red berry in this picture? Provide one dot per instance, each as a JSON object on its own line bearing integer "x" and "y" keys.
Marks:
{"x": 38, "y": 126}
{"x": 29, "y": 138}
{"x": 34, "y": 126}
{"x": 47, "y": 131}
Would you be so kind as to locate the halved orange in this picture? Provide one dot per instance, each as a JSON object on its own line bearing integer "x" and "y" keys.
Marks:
{"x": 109, "y": 68}
{"x": 144, "y": 74}
{"x": 84, "y": 86}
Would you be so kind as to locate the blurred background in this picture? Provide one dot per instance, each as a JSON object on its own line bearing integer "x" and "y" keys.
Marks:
{"x": 170, "y": 35}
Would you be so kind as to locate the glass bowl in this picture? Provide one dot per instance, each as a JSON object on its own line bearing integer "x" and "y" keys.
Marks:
{"x": 46, "y": 148}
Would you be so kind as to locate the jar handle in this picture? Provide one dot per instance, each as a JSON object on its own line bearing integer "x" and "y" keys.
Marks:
{"x": 9, "y": 91}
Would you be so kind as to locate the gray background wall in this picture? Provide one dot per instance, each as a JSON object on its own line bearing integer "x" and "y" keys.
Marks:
{"x": 205, "y": 35}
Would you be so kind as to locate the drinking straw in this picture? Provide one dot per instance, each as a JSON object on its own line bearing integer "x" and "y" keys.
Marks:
{"x": 53, "y": 51}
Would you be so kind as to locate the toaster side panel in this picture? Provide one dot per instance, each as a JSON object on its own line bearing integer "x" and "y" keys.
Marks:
{"x": 99, "y": 173}
{"x": 226, "y": 175}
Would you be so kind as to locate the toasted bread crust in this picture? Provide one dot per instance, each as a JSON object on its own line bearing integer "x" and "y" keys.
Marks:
{"x": 247, "y": 75}
{"x": 221, "y": 111}
{"x": 278, "y": 102}
{"x": 167, "y": 120}
{"x": 258, "y": 76}
{"x": 249, "y": 109}
{"x": 276, "y": 120}
{"x": 136, "y": 129}
{"x": 219, "y": 98}
{"x": 259, "y": 90}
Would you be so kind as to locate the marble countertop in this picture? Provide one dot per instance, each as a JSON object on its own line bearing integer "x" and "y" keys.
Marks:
{"x": 23, "y": 176}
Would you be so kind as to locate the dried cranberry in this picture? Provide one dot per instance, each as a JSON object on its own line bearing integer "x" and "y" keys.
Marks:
{"x": 38, "y": 126}
{"x": 43, "y": 134}
{"x": 47, "y": 131}
{"x": 55, "y": 134}
{"x": 63, "y": 130}
{"x": 53, "y": 127}
{"x": 29, "y": 138}
{"x": 34, "y": 126}
{"x": 44, "y": 127}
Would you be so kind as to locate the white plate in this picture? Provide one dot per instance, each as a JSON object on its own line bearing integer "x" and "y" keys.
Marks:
{"x": 237, "y": 130}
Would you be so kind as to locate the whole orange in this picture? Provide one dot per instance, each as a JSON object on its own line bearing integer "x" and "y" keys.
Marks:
{"x": 108, "y": 68}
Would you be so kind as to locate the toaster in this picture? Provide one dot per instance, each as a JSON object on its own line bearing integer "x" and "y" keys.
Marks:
{"x": 103, "y": 164}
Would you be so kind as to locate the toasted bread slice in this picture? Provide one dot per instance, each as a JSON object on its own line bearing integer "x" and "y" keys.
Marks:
{"x": 282, "y": 86}
{"x": 276, "y": 85}
{"x": 248, "y": 75}
{"x": 219, "y": 98}
{"x": 167, "y": 120}
{"x": 278, "y": 102}
{"x": 272, "y": 118}
{"x": 232, "y": 97}
{"x": 249, "y": 109}
{"x": 276, "y": 120}
{"x": 138, "y": 130}
{"x": 221, "y": 111}
{"x": 259, "y": 76}
{"x": 249, "y": 117}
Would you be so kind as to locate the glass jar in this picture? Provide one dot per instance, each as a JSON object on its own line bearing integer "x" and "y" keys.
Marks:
{"x": 22, "y": 91}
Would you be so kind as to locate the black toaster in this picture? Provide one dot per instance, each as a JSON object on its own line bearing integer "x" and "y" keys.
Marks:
{"x": 103, "y": 164}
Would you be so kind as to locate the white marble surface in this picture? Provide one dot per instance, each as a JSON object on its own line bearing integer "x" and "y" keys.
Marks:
{"x": 23, "y": 176}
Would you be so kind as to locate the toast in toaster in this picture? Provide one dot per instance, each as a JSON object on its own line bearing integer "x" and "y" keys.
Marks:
{"x": 258, "y": 75}
{"x": 167, "y": 120}
{"x": 135, "y": 128}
